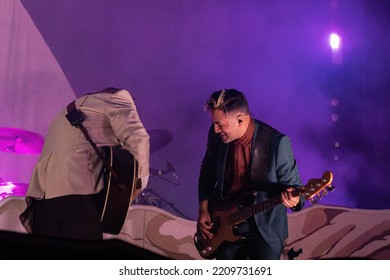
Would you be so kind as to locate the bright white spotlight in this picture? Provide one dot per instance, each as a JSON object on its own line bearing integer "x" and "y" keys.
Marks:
{"x": 335, "y": 41}
{"x": 335, "y": 45}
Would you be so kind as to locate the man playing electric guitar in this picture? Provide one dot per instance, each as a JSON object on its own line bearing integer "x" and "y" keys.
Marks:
{"x": 243, "y": 156}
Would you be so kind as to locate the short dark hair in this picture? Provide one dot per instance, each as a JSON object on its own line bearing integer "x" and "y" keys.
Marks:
{"x": 227, "y": 100}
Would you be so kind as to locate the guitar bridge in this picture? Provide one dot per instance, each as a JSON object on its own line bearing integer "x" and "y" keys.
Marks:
{"x": 237, "y": 231}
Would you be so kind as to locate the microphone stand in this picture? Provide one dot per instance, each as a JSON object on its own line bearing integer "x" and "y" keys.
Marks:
{"x": 148, "y": 189}
{"x": 167, "y": 203}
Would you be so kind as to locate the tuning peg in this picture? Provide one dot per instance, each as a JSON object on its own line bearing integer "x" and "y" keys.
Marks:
{"x": 313, "y": 201}
{"x": 324, "y": 193}
{"x": 330, "y": 188}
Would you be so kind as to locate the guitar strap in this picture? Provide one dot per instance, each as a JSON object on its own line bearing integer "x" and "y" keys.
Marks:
{"x": 76, "y": 119}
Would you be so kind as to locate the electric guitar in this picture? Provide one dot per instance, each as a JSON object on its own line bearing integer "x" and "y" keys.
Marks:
{"x": 119, "y": 190}
{"x": 226, "y": 215}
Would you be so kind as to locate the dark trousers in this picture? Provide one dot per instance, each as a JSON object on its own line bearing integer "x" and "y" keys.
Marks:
{"x": 73, "y": 216}
{"x": 254, "y": 247}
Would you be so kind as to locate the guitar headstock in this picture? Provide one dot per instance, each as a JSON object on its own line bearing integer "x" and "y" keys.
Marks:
{"x": 317, "y": 187}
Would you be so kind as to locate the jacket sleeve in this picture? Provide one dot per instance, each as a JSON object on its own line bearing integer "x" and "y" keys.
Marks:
{"x": 128, "y": 128}
{"x": 287, "y": 169}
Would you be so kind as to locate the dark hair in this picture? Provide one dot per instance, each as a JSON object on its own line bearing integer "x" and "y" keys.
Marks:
{"x": 111, "y": 89}
{"x": 227, "y": 100}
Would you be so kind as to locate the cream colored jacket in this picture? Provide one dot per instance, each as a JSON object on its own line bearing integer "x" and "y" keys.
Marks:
{"x": 69, "y": 165}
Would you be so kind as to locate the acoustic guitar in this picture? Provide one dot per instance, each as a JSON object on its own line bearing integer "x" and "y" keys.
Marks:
{"x": 119, "y": 190}
{"x": 225, "y": 216}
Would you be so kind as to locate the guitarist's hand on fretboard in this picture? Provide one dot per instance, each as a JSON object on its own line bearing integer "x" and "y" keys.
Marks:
{"x": 288, "y": 199}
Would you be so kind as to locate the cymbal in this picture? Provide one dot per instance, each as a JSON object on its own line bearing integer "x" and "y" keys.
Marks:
{"x": 12, "y": 189}
{"x": 159, "y": 138}
{"x": 15, "y": 140}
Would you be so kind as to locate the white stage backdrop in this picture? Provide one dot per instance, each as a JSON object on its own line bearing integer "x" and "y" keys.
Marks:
{"x": 32, "y": 88}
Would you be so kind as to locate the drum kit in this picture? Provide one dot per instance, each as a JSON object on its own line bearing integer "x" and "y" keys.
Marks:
{"x": 19, "y": 141}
